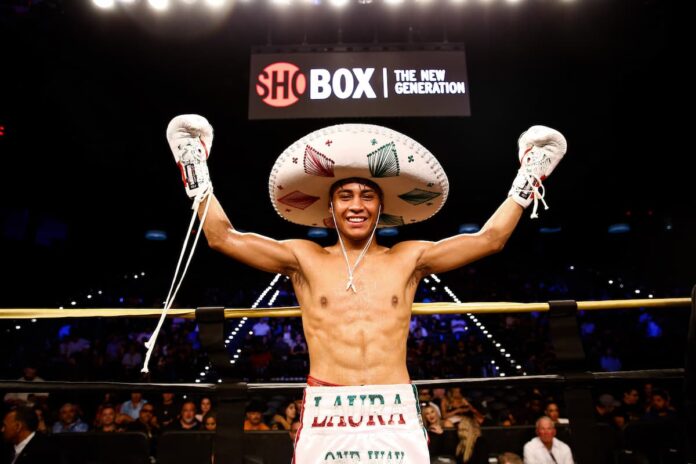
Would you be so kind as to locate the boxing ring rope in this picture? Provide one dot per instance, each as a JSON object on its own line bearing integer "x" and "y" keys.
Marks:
{"x": 572, "y": 374}
{"x": 419, "y": 309}
{"x": 209, "y": 388}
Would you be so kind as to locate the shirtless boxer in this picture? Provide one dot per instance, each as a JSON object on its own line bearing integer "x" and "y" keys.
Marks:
{"x": 356, "y": 295}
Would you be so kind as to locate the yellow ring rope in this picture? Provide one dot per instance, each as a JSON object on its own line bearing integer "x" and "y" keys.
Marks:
{"x": 295, "y": 311}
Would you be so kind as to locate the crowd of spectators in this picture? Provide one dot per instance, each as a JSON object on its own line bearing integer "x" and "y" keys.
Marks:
{"x": 456, "y": 420}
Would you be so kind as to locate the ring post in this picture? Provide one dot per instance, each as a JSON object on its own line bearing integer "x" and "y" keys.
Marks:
{"x": 572, "y": 363}
{"x": 690, "y": 384}
{"x": 231, "y": 394}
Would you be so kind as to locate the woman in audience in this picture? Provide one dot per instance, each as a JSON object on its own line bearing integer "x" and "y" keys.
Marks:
{"x": 287, "y": 416}
{"x": 205, "y": 406}
{"x": 472, "y": 447}
{"x": 455, "y": 406}
{"x": 439, "y": 443}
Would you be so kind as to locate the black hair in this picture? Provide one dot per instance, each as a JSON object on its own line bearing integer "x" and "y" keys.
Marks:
{"x": 26, "y": 416}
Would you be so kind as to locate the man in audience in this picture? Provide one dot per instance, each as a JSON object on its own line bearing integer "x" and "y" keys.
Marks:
{"x": 631, "y": 407}
{"x": 28, "y": 447}
{"x": 68, "y": 420}
{"x": 604, "y": 409}
{"x": 545, "y": 448}
{"x": 107, "y": 420}
{"x": 660, "y": 408}
{"x": 167, "y": 410}
{"x": 131, "y": 408}
{"x": 146, "y": 423}
{"x": 254, "y": 417}
{"x": 187, "y": 418}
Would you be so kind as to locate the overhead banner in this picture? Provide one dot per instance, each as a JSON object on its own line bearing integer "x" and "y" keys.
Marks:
{"x": 358, "y": 84}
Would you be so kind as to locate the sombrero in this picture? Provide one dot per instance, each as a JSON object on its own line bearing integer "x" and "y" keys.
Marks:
{"x": 414, "y": 184}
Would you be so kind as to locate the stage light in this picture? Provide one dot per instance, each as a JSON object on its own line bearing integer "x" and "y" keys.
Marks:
{"x": 393, "y": 2}
{"x": 338, "y": 3}
{"x": 469, "y": 228}
{"x": 620, "y": 228}
{"x": 281, "y": 2}
{"x": 314, "y": 232}
{"x": 104, "y": 4}
{"x": 159, "y": 5}
{"x": 388, "y": 232}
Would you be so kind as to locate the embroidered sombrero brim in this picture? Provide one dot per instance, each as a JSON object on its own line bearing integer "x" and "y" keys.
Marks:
{"x": 414, "y": 184}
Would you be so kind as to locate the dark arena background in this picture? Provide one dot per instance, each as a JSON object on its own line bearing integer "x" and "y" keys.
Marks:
{"x": 93, "y": 216}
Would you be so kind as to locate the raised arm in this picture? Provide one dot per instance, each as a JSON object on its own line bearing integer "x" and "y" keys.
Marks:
{"x": 462, "y": 249}
{"x": 540, "y": 150}
{"x": 255, "y": 250}
{"x": 190, "y": 138}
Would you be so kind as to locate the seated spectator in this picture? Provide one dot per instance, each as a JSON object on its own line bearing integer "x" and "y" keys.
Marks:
{"x": 187, "y": 418}
{"x": 631, "y": 407}
{"x": 472, "y": 447}
{"x": 254, "y": 417}
{"x": 509, "y": 458}
{"x": 285, "y": 420}
{"x": 432, "y": 421}
{"x": 68, "y": 421}
{"x": 206, "y": 405}
{"x": 454, "y": 405}
{"x": 604, "y": 408}
{"x": 167, "y": 410}
{"x": 660, "y": 408}
{"x": 425, "y": 397}
{"x": 545, "y": 448}
{"x": 29, "y": 374}
{"x": 19, "y": 430}
{"x": 439, "y": 444}
{"x": 146, "y": 423}
{"x": 553, "y": 412}
{"x": 107, "y": 420}
{"x": 506, "y": 418}
{"x": 210, "y": 422}
{"x": 132, "y": 407}
{"x": 532, "y": 410}
{"x": 261, "y": 328}
{"x": 299, "y": 347}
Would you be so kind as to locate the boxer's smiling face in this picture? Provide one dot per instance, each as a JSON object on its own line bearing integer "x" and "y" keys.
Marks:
{"x": 356, "y": 209}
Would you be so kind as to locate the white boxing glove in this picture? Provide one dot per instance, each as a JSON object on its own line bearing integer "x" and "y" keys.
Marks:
{"x": 540, "y": 150}
{"x": 190, "y": 138}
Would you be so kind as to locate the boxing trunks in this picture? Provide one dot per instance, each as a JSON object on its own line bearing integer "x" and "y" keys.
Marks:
{"x": 367, "y": 424}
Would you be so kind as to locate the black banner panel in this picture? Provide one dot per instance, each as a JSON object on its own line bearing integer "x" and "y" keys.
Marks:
{"x": 358, "y": 84}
